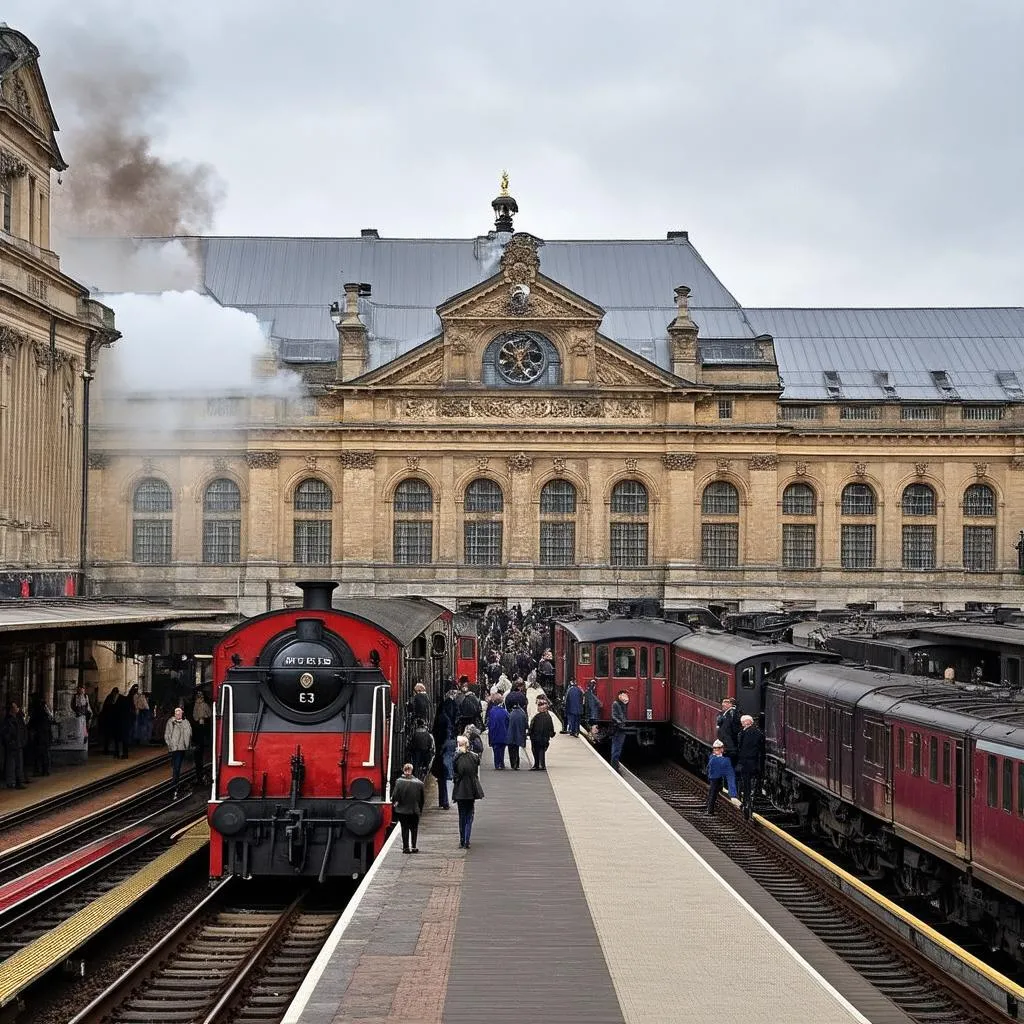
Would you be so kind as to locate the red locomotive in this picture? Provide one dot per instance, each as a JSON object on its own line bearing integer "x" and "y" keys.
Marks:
{"x": 309, "y": 730}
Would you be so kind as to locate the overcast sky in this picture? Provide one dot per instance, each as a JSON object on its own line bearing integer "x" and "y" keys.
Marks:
{"x": 818, "y": 153}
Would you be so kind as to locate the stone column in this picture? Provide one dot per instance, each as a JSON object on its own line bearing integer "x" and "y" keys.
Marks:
{"x": 678, "y": 543}
{"x": 360, "y": 506}
{"x": 448, "y": 523}
{"x": 519, "y": 510}
{"x": 264, "y": 507}
{"x": 761, "y": 536}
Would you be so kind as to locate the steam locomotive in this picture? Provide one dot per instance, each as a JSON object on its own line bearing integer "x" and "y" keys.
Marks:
{"x": 309, "y": 729}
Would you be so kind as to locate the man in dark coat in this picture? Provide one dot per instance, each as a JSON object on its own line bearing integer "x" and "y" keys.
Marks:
{"x": 728, "y": 728}
{"x": 592, "y": 704}
{"x": 546, "y": 672}
{"x": 124, "y": 722}
{"x": 573, "y": 708}
{"x": 469, "y": 710}
{"x": 497, "y": 734}
{"x": 515, "y": 736}
{"x": 14, "y": 732}
{"x": 516, "y": 697}
{"x": 421, "y": 708}
{"x": 749, "y": 763}
{"x": 619, "y": 706}
{"x": 108, "y": 721}
{"x": 542, "y": 731}
{"x": 407, "y": 800}
{"x": 421, "y": 749}
{"x": 40, "y": 724}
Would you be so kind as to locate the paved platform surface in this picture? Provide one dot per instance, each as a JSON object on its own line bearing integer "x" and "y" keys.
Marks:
{"x": 575, "y": 903}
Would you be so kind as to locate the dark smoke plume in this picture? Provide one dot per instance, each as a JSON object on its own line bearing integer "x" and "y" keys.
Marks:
{"x": 108, "y": 94}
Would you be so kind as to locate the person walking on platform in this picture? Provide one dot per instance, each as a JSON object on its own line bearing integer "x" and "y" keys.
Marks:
{"x": 517, "y": 696}
{"x": 619, "y": 707}
{"x": 421, "y": 707}
{"x": 407, "y": 800}
{"x": 81, "y": 708}
{"x": 467, "y": 789}
{"x": 124, "y": 722}
{"x": 592, "y": 705}
{"x": 469, "y": 708}
{"x": 108, "y": 721}
{"x": 421, "y": 749}
{"x": 719, "y": 768}
{"x": 178, "y": 738}
{"x": 515, "y": 737}
{"x": 443, "y": 771}
{"x": 143, "y": 719}
{"x": 14, "y": 733}
{"x": 497, "y": 734}
{"x": 542, "y": 731}
{"x": 573, "y": 708}
{"x": 201, "y": 715}
{"x": 749, "y": 763}
{"x": 728, "y": 728}
{"x": 40, "y": 725}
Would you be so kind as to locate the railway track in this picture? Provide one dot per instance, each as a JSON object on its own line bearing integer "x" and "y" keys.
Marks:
{"x": 224, "y": 962}
{"x": 919, "y": 987}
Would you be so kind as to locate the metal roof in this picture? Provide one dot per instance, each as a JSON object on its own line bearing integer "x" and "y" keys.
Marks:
{"x": 86, "y": 615}
{"x": 1002, "y": 636}
{"x": 598, "y": 630}
{"x": 403, "y": 618}
{"x": 733, "y": 649}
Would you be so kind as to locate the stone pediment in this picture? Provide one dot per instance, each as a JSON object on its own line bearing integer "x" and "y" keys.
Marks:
{"x": 542, "y": 301}
{"x": 423, "y": 366}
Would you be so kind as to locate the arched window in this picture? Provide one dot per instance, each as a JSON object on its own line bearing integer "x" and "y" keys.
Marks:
{"x": 152, "y": 505}
{"x": 980, "y": 535}
{"x": 919, "y": 537}
{"x": 857, "y": 540}
{"x": 483, "y": 505}
{"x": 720, "y": 538}
{"x": 222, "y": 523}
{"x": 799, "y": 540}
{"x": 629, "y": 523}
{"x": 558, "y": 523}
{"x": 414, "y": 523}
{"x": 312, "y": 529}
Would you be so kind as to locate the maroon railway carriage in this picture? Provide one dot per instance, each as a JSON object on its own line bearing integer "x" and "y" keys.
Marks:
{"x": 467, "y": 661}
{"x": 620, "y": 654}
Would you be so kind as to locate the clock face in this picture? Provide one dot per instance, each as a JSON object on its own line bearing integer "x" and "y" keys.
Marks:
{"x": 521, "y": 359}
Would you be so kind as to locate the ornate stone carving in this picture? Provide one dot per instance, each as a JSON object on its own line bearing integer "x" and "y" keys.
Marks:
{"x": 860, "y": 468}
{"x": 558, "y": 465}
{"x": 722, "y": 465}
{"x": 921, "y": 468}
{"x": 21, "y": 100}
{"x": 632, "y": 465}
{"x": 766, "y": 461}
{"x": 11, "y": 166}
{"x": 332, "y": 400}
{"x": 679, "y": 460}
{"x": 358, "y": 460}
{"x": 428, "y": 373}
{"x": 459, "y": 348}
{"x": 581, "y": 347}
{"x": 412, "y": 463}
{"x": 311, "y": 462}
{"x": 1017, "y": 463}
{"x": 520, "y": 260}
{"x": 220, "y": 465}
{"x": 42, "y": 354}
{"x": 980, "y": 469}
{"x": 609, "y": 373}
{"x": 519, "y": 300}
{"x": 262, "y": 460}
{"x": 482, "y": 463}
{"x": 11, "y": 340}
{"x": 522, "y": 408}
{"x": 801, "y": 469}
{"x": 99, "y": 460}
{"x": 519, "y": 463}
{"x": 148, "y": 465}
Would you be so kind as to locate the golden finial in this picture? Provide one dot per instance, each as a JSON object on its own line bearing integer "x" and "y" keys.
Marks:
{"x": 504, "y": 183}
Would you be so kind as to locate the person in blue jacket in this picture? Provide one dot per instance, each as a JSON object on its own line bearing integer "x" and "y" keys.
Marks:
{"x": 497, "y": 733}
{"x": 573, "y": 708}
{"x": 720, "y": 767}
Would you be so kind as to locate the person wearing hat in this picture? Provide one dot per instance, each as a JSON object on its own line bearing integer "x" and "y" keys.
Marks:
{"x": 719, "y": 768}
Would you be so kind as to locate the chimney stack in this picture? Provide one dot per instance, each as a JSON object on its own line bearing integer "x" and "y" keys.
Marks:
{"x": 353, "y": 348}
{"x": 683, "y": 334}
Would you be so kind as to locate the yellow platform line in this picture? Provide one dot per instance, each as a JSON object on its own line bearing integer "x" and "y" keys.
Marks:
{"x": 913, "y": 923}
{"x": 32, "y": 962}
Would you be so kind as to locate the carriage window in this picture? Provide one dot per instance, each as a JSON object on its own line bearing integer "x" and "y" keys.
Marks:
{"x": 659, "y": 662}
{"x": 766, "y": 667}
{"x": 993, "y": 780}
{"x": 625, "y": 662}
{"x": 466, "y": 648}
{"x": 1020, "y": 789}
{"x": 901, "y": 750}
{"x": 602, "y": 662}
{"x": 584, "y": 654}
{"x": 1007, "y": 785}
{"x": 945, "y": 762}
{"x": 747, "y": 679}
{"x": 915, "y": 753}
{"x": 643, "y": 662}
{"x": 933, "y": 759}
{"x": 874, "y": 743}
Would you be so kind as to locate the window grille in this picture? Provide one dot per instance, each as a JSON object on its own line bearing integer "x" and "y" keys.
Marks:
{"x": 918, "y": 500}
{"x": 558, "y": 497}
{"x": 414, "y": 542}
{"x": 222, "y": 496}
{"x": 918, "y": 547}
{"x": 484, "y": 496}
{"x": 797, "y": 500}
{"x": 151, "y": 541}
{"x": 222, "y": 541}
{"x": 798, "y": 546}
{"x": 857, "y": 500}
{"x": 557, "y": 543}
{"x": 483, "y": 543}
{"x": 725, "y": 408}
{"x": 152, "y": 495}
{"x": 629, "y": 543}
{"x": 720, "y": 499}
{"x": 979, "y": 548}
{"x": 720, "y": 544}
{"x": 981, "y": 412}
{"x": 979, "y": 500}
{"x": 414, "y": 496}
{"x": 630, "y": 498}
{"x": 860, "y": 412}
{"x": 313, "y": 496}
{"x": 858, "y": 547}
{"x": 920, "y": 412}
{"x": 312, "y": 539}
{"x": 799, "y": 412}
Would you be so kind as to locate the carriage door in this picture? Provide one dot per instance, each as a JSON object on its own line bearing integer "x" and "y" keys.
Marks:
{"x": 962, "y": 802}
{"x": 835, "y": 750}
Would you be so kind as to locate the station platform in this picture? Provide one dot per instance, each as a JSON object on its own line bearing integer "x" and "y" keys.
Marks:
{"x": 576, "y": 902}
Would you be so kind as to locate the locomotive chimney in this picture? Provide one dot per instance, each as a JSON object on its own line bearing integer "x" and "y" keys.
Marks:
{"x": 316, "y": 594}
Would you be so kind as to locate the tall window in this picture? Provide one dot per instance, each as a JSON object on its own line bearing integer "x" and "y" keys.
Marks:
{"x": 151, "y": 522}
{"x": 919, "y": 538}
{"x": 799, "y": 548}
{"x": 857, "y": 539}
{"x": 720, "y": 537}
{"x": 979, "y": 528}
{"x": 558, "y": 523}
{"x": 414, "y": 523}
{"x": 222, "y": 523}
{"x": 312, "y": 531}
{"x": 629, "y": 523}
{"x": 483, "y": 506}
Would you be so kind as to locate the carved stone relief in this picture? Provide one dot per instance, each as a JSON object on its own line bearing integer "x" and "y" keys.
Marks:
{"x": 921, "y": 468}
{"x": 262, "y": 460}
{"x": 801, "y": 469}
{"x": 980, "y": 469}
{"x": 311, "y": 462}
{"x": 521, "y": 408}
{"x": 519, "y": 463}
{"x": 1017, "y": 463}
{"x": 860, "y": 468}
{"x": 632, "y": 465}
{"x": 766, "y": 461}
{"x": 558, "y": 465}
{"x": 679, "y": 460}
{"x": 482, "y": 462}
{"x": 722, "y": 465}
{"x": 99, "y": 460}
{"x": 412, "y": 463}
{"x": 358, "y": 460}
